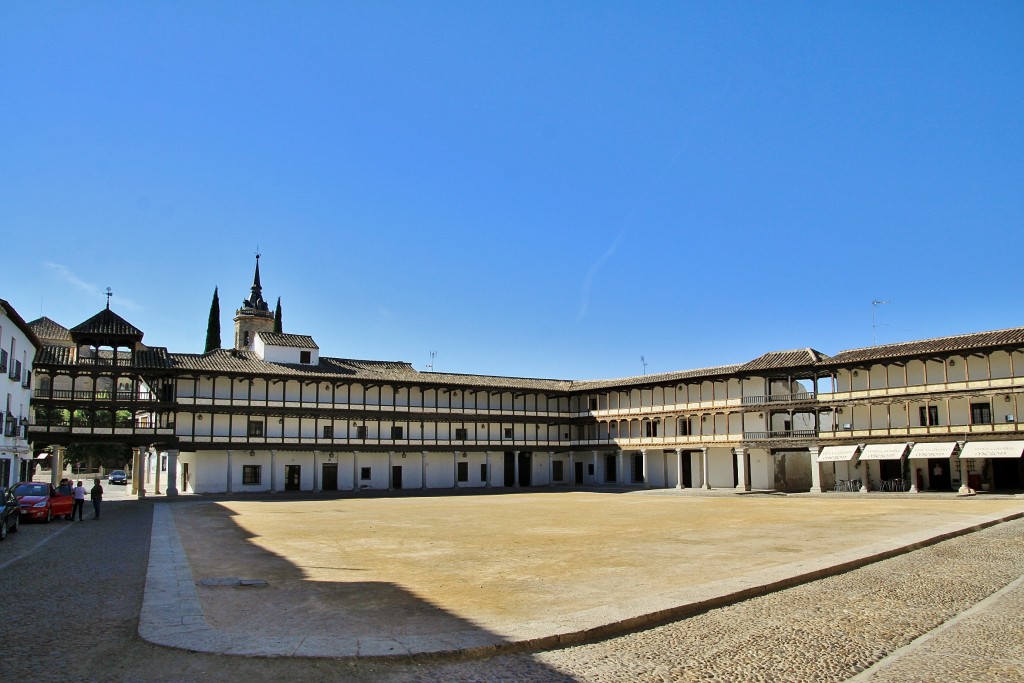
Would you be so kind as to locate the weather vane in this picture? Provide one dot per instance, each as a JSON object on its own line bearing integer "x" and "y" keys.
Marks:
{"x": 109, "y": 294}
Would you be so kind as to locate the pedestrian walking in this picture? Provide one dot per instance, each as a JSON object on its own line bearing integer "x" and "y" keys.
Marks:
{"x": 96, "y": 493}
{"x": 79, "y": 494}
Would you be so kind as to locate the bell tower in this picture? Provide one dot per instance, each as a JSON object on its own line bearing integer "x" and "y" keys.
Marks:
{"x": 254, "y": 315}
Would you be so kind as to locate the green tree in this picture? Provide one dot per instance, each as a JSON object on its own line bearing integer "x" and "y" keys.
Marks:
{"x": 213, "y": 326}
{"x": 277, "y": 317}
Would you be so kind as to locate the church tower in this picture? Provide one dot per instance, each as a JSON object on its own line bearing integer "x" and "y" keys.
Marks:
{"x": 254, "y": 315}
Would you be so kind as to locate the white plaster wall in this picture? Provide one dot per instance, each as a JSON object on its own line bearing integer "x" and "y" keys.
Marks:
{"x": 720, "y": 461}
{"x": 762, "y": 469}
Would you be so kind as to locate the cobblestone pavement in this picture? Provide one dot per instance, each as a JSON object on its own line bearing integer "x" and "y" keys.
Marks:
{"x": 80, "y": 592}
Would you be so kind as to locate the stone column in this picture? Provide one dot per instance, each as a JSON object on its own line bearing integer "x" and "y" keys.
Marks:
{"x": 551, "y": 468}
{"x": 159, "y": 463}
{"x": 172, "y": 472}
{"x": 597, "y": 475}
{"x": 620, "y": 479}
{"x": 965, "y": 487}
{"x": 136, "y": 468}
{"x": 273, "y": 471}
{"x": 515, "y": 483}
{"x": 815, "y": 451}
{"x": 316, "y": 474}
{"x": 423, "y": 470}
{"x": 646, "y": 470}
{"x": 865, "y": 481}
{"x": 705, "y": 470}
{"x": 742, "y": 471}
{"x": 143, "y": 471}
{"x": 679, "y": 468}
{"x": 355, "y": 470}
{"x": 572, "y": 469}
{"x": 228, "y": 478}
{"x": 56, "y": 464}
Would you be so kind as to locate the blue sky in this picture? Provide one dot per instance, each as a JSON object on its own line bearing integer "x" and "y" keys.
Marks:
{"x": 527, "y": 188}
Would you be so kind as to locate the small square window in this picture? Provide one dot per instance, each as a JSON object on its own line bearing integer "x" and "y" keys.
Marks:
{"x": 255, "y": 428}
{"x": 396, "y": 433}
{"x": 593, "y": 404}
{"x": 361, "y": 432}
{"x": 251, "y": 474}
{"x": 328, "y": 431}
{"x": 508, "y": 432}
{"x": 364, "y": 473}
{"x": 305, "y": 357}
{"x": 461, "y": 434}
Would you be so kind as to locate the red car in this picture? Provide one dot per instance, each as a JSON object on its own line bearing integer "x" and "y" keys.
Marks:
{"x": 42, "y": 501}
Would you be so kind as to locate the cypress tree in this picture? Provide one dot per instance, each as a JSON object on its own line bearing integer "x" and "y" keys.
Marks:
{"x": 277, "y": 318}
{"x": 213, "y": 326}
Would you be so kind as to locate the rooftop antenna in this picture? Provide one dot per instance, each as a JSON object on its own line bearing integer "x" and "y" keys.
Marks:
{"x": 875, "y": 303}
{"x": 644, "y": 361}
{"x": 430, "y": 365}
{"x": 109, "y": 294}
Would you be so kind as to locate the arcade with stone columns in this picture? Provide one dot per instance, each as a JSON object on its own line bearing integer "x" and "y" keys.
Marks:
{"x": 272, "y": 414}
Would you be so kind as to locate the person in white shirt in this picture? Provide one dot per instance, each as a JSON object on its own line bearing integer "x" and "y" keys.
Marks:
{"x": 79, "y": 494}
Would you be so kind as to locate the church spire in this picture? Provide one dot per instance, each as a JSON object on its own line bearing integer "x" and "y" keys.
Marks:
{"x": 254, "y": 316}
{"x": 255, "y": 299}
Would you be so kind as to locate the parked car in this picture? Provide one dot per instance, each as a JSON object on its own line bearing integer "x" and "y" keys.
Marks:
{"x": 42, "y": 501}
{"x": 118, "y": 477}
{"x": 10, "y": 512}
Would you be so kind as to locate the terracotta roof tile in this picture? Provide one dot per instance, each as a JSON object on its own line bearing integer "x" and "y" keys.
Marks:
{"x": 781, "y": 360}
{"x": 295, "y": 341}
{"x": 50, "y": 331}
{"x": 107, "y": 323}
{"x": 1013, "y": 337}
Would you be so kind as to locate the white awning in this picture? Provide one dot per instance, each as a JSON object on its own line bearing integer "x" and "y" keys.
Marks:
{"x": 42, "y": 456}
{"x": 923, "y": 451}
{"x": 992, "y": 449}
{"x": 838, "y": 453}
{"x": 883, "y": 451}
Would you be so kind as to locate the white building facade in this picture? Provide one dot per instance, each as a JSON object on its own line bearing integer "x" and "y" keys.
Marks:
{"x": 18, "y": 347}
{"x": 273, "y": 414}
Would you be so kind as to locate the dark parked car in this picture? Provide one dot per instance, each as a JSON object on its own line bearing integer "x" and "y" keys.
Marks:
{"x": 9, "y": 513}
{"x": 118, "y": 477}
{"x": 42, "y": 501}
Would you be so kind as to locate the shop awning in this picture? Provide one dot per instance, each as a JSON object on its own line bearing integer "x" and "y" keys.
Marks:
{"x": 883, "y": 451}
{"x": 42, "y": 456}
{"x": 923, "y": 451}
{"x": 838, "y": 453}
{"x": 992, "y": 449}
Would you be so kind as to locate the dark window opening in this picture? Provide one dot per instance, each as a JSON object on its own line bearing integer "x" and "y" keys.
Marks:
{"x": 929, "y": 415}
{"x": 364, "y": 473}
{"x": 981, "y": 413}
{"x": 251, "y": 474}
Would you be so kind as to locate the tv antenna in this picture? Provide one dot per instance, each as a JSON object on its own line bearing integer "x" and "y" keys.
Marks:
{"x": 644, "y": 361}
{"x": 875, "y": 303}
{"x": 430, "y": 365}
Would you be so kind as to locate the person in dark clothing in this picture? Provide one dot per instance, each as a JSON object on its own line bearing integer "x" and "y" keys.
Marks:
{"x": 96, "y": 493}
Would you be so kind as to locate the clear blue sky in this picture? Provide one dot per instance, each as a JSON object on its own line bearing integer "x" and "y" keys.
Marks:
{"x": 544, "y": 189}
